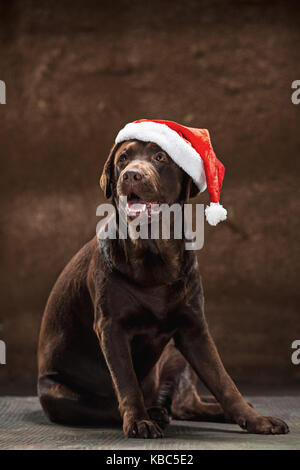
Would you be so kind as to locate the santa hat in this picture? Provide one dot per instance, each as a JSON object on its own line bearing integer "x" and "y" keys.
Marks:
{"x": 191, "y": 149}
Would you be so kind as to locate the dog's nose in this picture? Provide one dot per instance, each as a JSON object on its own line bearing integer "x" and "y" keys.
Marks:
{"x": 132, "y": 176}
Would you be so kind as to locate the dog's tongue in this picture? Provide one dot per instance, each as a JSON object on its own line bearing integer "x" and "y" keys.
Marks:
{"x": 136, "y": 207}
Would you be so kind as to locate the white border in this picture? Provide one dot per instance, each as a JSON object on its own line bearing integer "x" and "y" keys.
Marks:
{"x": 176, "y": 147}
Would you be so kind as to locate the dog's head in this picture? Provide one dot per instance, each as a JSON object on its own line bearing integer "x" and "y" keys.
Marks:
{"x": 146, "y": 175}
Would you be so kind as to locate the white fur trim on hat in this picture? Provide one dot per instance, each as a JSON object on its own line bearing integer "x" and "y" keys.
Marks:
{"x": 176, "y": 147}
{"x": 215, "y": 213}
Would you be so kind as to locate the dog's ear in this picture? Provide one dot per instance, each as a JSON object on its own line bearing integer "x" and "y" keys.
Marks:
{"x": 194, "y": 190}
{"x": 190, "y": 189}
{"x": 107, "y": 174}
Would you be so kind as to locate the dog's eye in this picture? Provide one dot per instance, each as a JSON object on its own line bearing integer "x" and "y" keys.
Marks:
{"x": 160, "y": 157}
{"x": 123, "y": 157}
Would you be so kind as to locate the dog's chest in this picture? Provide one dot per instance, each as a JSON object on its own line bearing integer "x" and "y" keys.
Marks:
{"x": 152, "y": 311}
{"x": 151, "y": 324}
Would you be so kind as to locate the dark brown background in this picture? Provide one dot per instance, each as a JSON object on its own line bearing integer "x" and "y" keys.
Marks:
{"x": 76, "y": 72}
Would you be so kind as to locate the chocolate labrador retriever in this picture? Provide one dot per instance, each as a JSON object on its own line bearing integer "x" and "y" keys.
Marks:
{"x": 124, "y": 336}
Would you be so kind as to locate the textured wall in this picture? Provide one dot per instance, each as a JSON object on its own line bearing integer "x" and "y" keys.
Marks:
{"x": 78, "y": 71}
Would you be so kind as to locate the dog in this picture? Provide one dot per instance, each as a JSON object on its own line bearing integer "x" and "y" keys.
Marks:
{"x": 124, "y": 337}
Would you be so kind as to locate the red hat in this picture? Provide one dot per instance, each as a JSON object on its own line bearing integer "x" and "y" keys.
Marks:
{"x": 191, "y": 149}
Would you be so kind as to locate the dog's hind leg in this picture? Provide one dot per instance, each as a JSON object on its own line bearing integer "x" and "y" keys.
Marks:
{"x": 176, "y": 389}
{"x": 187, "y": 404}
{"x": 66, "y": 404}
{"x": 171, "y": 390}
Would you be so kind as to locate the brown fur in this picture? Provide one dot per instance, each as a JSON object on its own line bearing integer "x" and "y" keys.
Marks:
{"x": 124, "y": 336}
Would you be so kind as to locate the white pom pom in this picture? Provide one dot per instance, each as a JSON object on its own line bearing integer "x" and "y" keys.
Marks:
{"x": 215, "y": 213}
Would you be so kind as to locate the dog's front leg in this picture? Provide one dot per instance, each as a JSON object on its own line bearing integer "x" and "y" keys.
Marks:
{"x": 198, "y": 347}
{"x": 116, "y": 349}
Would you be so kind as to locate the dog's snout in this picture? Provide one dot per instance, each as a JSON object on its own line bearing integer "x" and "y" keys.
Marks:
{"x": 132, "y": 176}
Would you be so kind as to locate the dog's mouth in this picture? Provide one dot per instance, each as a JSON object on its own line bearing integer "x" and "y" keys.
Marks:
{"x": 136, "y": 206}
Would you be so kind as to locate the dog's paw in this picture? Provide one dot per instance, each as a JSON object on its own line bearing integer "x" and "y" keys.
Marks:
{"x": 142, "y": 429}
{"x": 264, "y": 425}
{"x": 159, "y": 415}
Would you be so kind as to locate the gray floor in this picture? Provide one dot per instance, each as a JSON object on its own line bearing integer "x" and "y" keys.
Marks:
{"x": 23, "y": 426}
